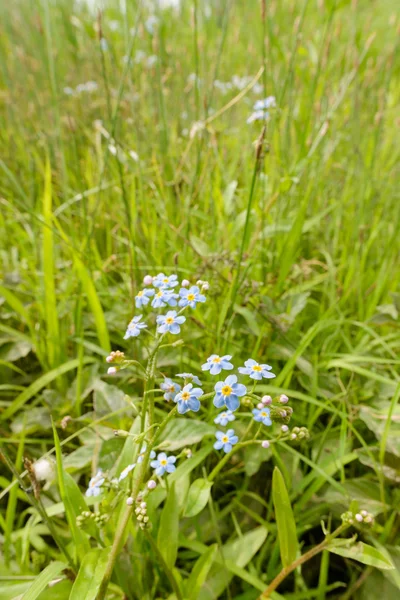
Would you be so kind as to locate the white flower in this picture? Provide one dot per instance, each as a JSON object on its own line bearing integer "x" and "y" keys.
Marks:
{"x": 44, "y": 469}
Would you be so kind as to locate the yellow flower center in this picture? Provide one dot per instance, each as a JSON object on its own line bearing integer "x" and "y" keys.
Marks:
{"x": 216, "y": 359}
{"x": 165, "y": 280}
{"x": 140, "y": 294}
{"x": 163, "y": 462}
{"x": 185, "y": 396}
{"x": 226, "y": 390}
{"x": 171, "y": 388}
{"x": 159, "y": 294}
{"x": 169, "y": 320}
{"x": 257, "y": 368}
{"x": 264, "y": 414}
{"x": 190, "y": 297}
{"x": 225, "y": 439}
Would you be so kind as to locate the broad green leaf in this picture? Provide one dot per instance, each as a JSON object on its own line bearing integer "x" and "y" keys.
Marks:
{"x": 231, "y": 561}
{"x": 41, "y": 582}
{"x": 90, "y": 575}
{"x": 197, "y": 498}
{"x": 72, "y": 499}
{"x": 368, "y": 555}
{"x": 200, "y": 572}
{"x": 288, "y": 543}
{"x": 167, "y": 539}
{"x": 184, "y": 432}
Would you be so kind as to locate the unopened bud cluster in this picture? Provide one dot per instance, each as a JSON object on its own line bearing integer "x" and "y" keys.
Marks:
{"x": 141, "y": 515}
{"x": 115, "y": 357}
{"x": 352, "y": 518}
{"x": 87, "y": 516}
{"x": 300, "y": 433}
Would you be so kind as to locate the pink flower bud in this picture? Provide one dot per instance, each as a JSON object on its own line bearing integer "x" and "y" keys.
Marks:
{"x": 260, "y": 405}
{"x": 129, "y": 501}
{"x": 265, "y": 444}
{"x": 109, "y": 359}
{"x": 151, "y": 484}
{"x": 266, "y": 400}
{"x": 185, "y": 283}
{"x": 206, "y": 286}
{"x": 111, "y": 371}
{"x": 148, "y": 280}
{"x": 359, "y": 518}
{"x": 283, "y": 399}
{"x": 285, "y": 428}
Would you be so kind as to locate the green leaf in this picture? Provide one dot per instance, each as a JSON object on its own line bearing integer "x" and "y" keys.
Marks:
{"x": 42, "y": 581}
{"x": 200, "y": 572}
{"x": 288, "y": 543}
{"x": 365, "y": 554}
{"x": 199, "y": 493}
{"x": 73, "y": 501}
{"x": 40, "y": 383}
{"x": 90, "y": 575}
{"x": 167, "y": 539}
{"x": 184, "y": 432}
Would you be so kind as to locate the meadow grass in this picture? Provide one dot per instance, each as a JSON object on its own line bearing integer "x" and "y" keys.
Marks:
{"x": 295, "y": 226}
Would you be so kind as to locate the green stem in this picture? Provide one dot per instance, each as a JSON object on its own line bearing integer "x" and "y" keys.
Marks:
{"x": 302, "y": 559}
{"x": 228, "y": 456}
{"x": 167, "y": 571}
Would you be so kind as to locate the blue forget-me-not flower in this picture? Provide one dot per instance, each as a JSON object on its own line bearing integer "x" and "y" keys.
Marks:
{"x": 191, "y": 296}
{"x": 143, "y": 452}
{"x": 163, "y": 464}
{"x": 225, "y": 440}
{"x": 170, "y": 388}
{"x": 224, "y": 418}
{"x": 189, "y": 377}
{"x": 228, "y": 393}
{"x": 262, "y": 416}
{"x": 94, "y": 488}
{"x": 126, "y": 471}
{"x": 163, "y": 281}
{"x": 255, "y": 370}
{"x": 143, "y": 297}
{"x": 188, "y": 399}
{"x": 216, "y": 363}
{"x": 170, "y": 322}
{"x": 164, "y": 297}
{"x": 134, "y": 327}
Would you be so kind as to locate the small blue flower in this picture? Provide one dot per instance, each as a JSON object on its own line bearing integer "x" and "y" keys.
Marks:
{"x": 191, "y": 296}
{"x": 134, "y": 327}
{"x": 258, "y": 115}
{"x": 224, "y": 418}
{"x": 216, "y": 363}
{"x": 94, "y": 488}
{"x": 228, "y": 393}
{"x": 188, "y": 399}
{"x": 143, "y": 297}
{"x": 189, "y": 377}
{"x": 225, "y": 440}
{"x": 256, "y": 371}
{"x": 269, "y": 102}
{"x": 143, "y": 452}
{"x": 262, "y": 416}
{"x": 170, "y": 388}
{"x": 126, "y": 471}
{"x": 163, "y": 463}
{"x": 163, "y": 281}
{"x": 164, "y": 297}
{"x": 170, "y": 322}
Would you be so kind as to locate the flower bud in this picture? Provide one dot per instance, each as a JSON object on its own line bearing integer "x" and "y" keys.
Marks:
{"x": 359, "y": 518}
{"x": 284, "y": 428}
{"x": 266, "y": 400}
{"x": 109, "y": 359}
{"x": 185, "y": 283}
{"x": 129, "y": 501}
{"x": 293, "y": 436}
{"x": 148, "y": 280}
{"x": 205, "y": 287}
{"x": 143, "y": 505}
{"x": 260, "y": 405}
{"x": 265, "y": 444}
{"x": 283, "y": 399}
{"x": 111, "y": 371}
{"x": 151, "y": 484}
{"x": 43, "y": 469}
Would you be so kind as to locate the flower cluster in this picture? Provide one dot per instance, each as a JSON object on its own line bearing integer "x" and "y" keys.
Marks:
{"x": 362, "y": 517}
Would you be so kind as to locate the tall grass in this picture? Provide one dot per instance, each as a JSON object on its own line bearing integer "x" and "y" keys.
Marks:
{"x": 157, "y": 169}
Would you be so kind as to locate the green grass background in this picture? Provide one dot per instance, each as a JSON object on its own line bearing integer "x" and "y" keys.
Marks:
{"x": 303, "y": 266}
